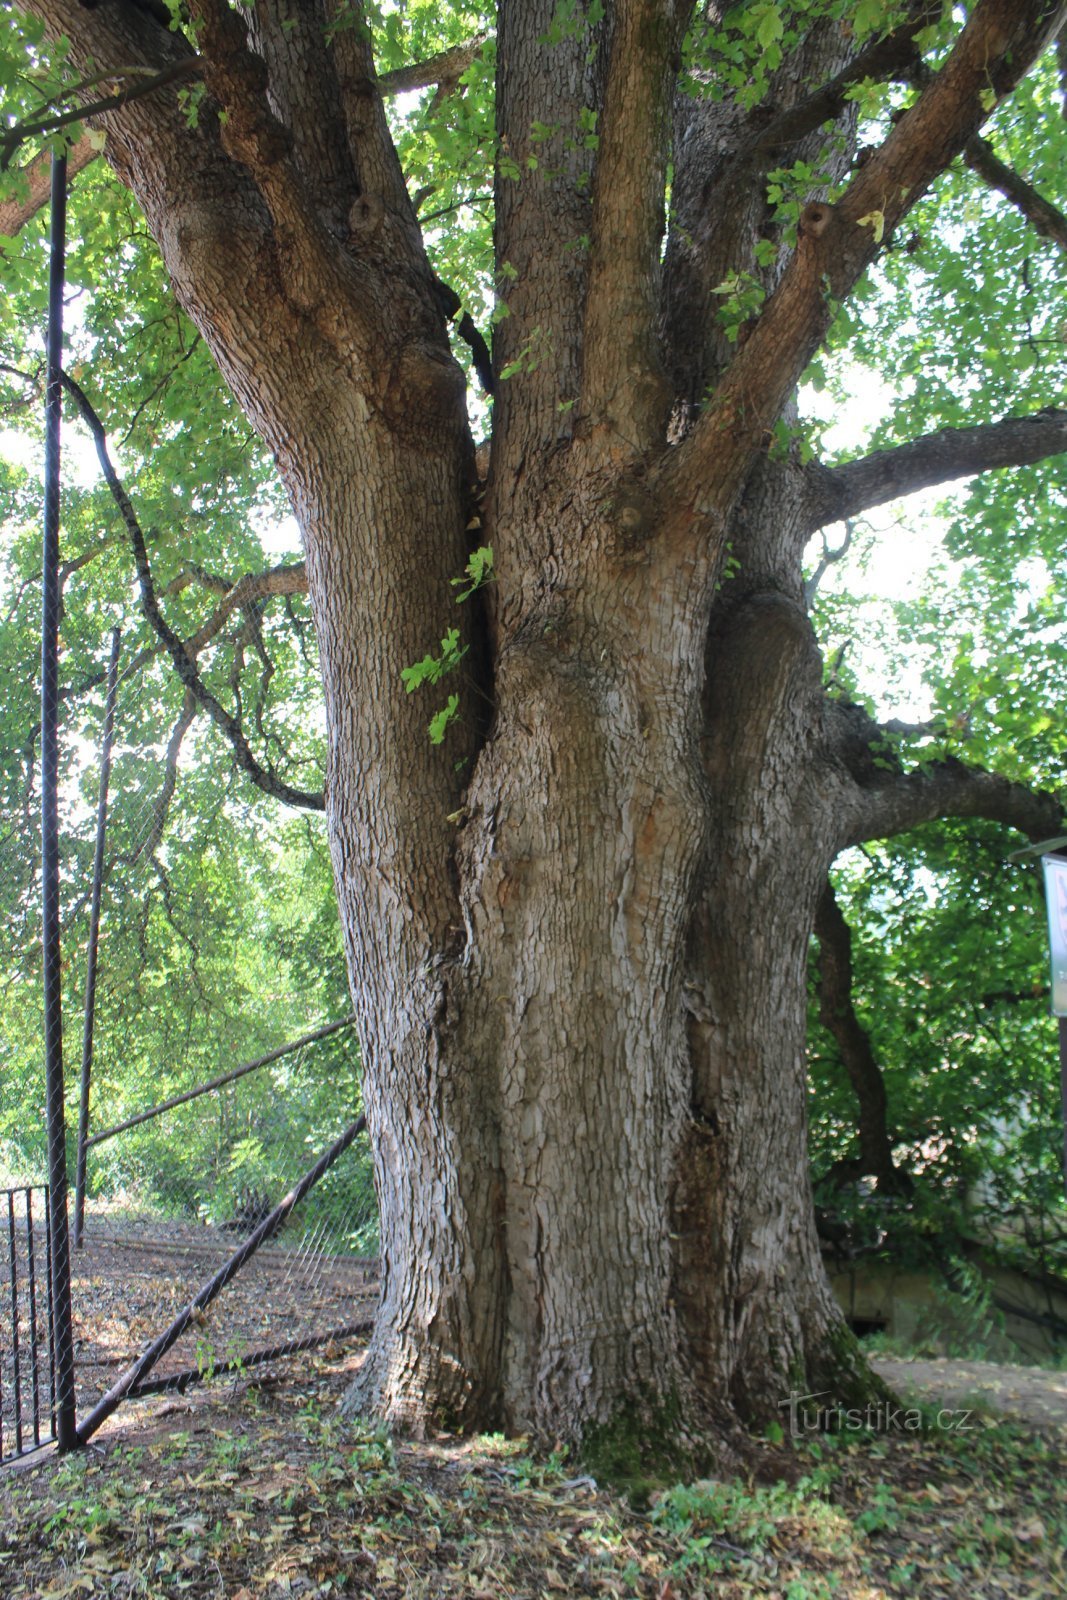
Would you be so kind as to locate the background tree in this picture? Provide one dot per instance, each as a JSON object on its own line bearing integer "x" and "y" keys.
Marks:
{"x": 577, "y": 927}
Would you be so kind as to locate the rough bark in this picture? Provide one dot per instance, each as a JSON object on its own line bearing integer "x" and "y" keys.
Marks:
{"x": 37, "y": 180}
{"x": 837, "y": 493}
{"x": 837, "y": 1013}
{"x": 577, "y": 937}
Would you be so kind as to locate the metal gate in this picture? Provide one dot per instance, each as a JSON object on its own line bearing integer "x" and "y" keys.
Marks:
{"x": 27, "y": 1351}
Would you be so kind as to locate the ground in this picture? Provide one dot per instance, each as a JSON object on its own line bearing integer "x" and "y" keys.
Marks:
{"x": 259, "y": 1489}
{"x": 1029, "y": 1393}
{"x": 127, "y": 1290}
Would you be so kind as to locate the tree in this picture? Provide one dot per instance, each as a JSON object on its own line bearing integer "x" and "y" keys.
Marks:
{"x": 577, "y": 925}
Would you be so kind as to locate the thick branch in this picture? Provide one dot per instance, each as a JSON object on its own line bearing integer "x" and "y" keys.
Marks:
{"x": 838, "y": 493}
{"x": 176, "y": 167}
{"x": 381, "y": 179}
{"x": 883, "y": 59}
{"x": 540, "y": 217}
{"x": 305, "y": 93}
{"x": 620, "y": 391}
{"x": 320, "y": 273}
{"x": 836, "y": 244}
{"x": 250, "y": 131}
{"x": 443, "y": 69}
{"x": 889, "y": 803}
{"x": 1045, "y": 218}
{"x": 838, "y": 1016}
{"x": 184, "y": 664}
{"x": 16, "y": 212}
{"x": 253, "y": 586}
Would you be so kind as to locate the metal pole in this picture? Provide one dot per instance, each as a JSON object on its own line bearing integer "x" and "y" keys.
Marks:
{"x": 94, "y": 935}
{"x": 35, "y": 1352}
{"x": 254, "y": 1358}
{"x": 66, "y": 1432}
{"x": 217, "y": 1083}
{"x": 1063, "y": 1090}
{"x": 16, "y": 1358}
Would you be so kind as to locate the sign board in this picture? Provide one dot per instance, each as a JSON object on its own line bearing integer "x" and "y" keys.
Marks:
{"x": 1056, "y": 901}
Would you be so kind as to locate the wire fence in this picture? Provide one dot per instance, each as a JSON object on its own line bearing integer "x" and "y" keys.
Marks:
{"x": 173, "y": 991}
{"x": 209, "y": 1091}
{"x": 177, "y": 1189}
{"x": 183, "y": 1255}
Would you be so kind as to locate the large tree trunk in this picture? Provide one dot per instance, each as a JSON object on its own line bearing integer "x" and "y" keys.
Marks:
{"x": 577, "y": 932}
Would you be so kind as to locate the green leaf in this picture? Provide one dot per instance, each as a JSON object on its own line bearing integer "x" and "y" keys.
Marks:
{"x": 440, "y": 721}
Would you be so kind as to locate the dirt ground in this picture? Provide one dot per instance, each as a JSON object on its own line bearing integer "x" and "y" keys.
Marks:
{"x": 125, "y": 1292}
{"x": 256, "y": 1487}
{"x": 259, "y": 1489}
{"x": 1030, "y": 1393}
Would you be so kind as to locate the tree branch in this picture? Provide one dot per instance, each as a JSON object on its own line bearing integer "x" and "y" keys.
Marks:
{"x": 319, "y": 270}
{"x": 176, "y": 168}
{"x": 306, "y": 93}
{"x": 262, "y": 777}
{"x": 892, "y": 802}
{"x": 17, "y": 211}
{"x": 831, "y": 554}
{"x": 188, "y": 67}
{"x": 158, "y": 388}
{"x": 250, "y": 131}
{"x": 1045, "y": 218}
{"x": 838, "y": 493}
{"x": 620, "y": 391}
{"x": 838, "y": 1016}
{"x": 382, "y": 187}
{"x": 998, "y": 44}
{"x": 443, "y": 69}
{"x": 1014, "y": 997}
{"x": 469, "y": 332}
{"x": 882, "y": 59}
{"x": 152, "y": 840}
{"x": 253, "y": 586}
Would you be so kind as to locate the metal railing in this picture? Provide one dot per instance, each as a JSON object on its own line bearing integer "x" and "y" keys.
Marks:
{"x": 27, "y": 1353}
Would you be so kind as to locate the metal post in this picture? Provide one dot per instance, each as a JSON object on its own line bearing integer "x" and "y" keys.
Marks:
{"x": 51, "y": 1317}
{"x": 94, "y": 936}
{"x": 66, "y": 1432}
{"x": 16, "y": 1354}
{"x": 35, "y": 1351}
{"x": 1063, "y": 1090}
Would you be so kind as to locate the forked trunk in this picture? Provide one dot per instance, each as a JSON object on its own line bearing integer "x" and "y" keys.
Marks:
{"x": 577, "y": 932}
{"x": 593, "y": 1204}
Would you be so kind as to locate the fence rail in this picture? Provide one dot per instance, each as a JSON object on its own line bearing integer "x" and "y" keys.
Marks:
{"x": 27, "y": 1355}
